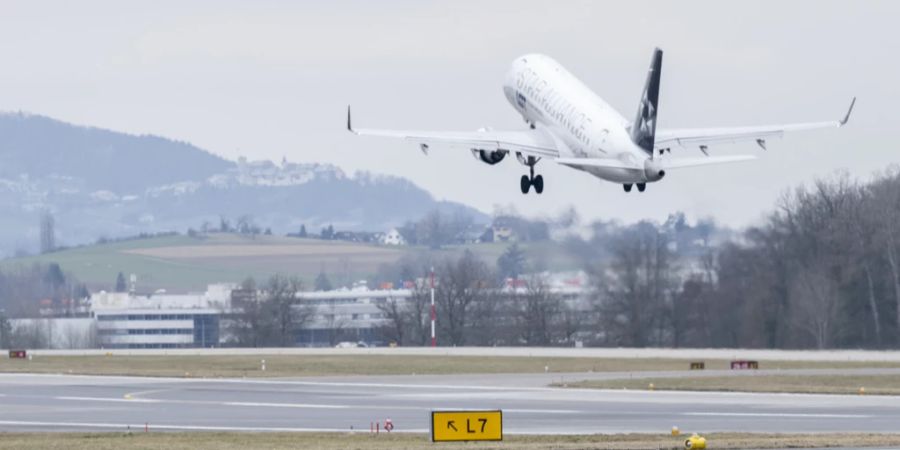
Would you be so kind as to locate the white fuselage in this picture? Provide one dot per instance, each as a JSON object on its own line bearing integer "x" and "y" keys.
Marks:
{"x": 551, "y": 98}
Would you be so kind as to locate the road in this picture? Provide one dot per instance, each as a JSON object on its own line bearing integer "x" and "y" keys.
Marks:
{"x": 71, "y": 402}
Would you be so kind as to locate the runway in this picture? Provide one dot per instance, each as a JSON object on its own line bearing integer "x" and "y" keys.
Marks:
{"x": 69, "y": 402}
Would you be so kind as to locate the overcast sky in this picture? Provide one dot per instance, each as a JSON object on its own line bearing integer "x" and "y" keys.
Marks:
{"x": 270, "y": 79}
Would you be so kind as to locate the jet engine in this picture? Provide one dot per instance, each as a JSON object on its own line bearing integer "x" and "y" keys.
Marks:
{"x": 489, "y": 156}
{"x": 653, "y": 170}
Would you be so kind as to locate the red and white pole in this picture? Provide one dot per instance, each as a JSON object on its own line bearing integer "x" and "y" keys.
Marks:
{"x": 433, "y": 311}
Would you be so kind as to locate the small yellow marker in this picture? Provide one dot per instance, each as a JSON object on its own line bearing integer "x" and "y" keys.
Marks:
{"x": 676, "y": 431}
{"x": 695, "y": 442}
{"x": 651, "y": 387}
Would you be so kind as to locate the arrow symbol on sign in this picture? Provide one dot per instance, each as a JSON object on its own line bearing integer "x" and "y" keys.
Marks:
{"x": 450, "y": 425}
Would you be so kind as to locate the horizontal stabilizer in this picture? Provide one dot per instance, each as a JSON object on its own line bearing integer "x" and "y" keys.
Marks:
{"x": 667, "y": 163}
{"x": 607, "y": 163}
{"x": 678, "y": 163}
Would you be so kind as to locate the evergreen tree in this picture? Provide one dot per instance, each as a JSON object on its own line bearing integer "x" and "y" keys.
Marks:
{"x": 322, "y": 282}
{"x": 5, "y": 331}
{"x": 328, "y": 232}
{"x": 511, "y": 263}
{"x": 48, "y": 233}
{"x": 54, "y": 276}
{"x": 120, "y": 283}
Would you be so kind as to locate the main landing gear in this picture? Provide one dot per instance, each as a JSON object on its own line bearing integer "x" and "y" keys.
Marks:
{"x": 530, "y": 180}
{"x": 641, "y": 187}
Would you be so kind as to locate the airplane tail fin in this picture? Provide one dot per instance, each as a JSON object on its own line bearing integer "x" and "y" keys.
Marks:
{"x": 643, "y": 129}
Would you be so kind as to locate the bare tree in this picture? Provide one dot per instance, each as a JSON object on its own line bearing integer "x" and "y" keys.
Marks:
{"x": 48, "y": 232}
{"x": 636, "y": 286}
{"x": 397, "y": 320}
{"x": 30, "y": 334}
{"x": 271, "y": 316}
{"x": 816, "y": 298}
{"x": 288, "y": 314}
{"x": 884, "y": 208}
{"x": 461, "y": 283}
{"x": 250, "y": 324}
{"x": 336, "y": 324}
{"x": 538, "y": 310}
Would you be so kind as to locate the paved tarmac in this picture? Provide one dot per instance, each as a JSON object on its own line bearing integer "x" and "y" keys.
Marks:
{"x": 69, "y": 402}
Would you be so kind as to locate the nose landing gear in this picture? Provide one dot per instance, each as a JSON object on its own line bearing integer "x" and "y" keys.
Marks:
{"x": 530, "y": 180}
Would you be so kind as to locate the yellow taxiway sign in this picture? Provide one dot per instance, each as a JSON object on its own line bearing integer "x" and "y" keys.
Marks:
{"x": 466, "y": 426}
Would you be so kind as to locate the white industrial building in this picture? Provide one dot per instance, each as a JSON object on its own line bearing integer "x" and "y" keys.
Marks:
{"x": 393, "y": 237}
{"x": 161, "y": 320}
{"x": 346, "y": 315}
{"x": 125, "y": 320}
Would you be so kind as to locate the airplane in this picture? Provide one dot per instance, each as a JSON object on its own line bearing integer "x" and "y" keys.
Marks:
{"x": 571, "y": 125}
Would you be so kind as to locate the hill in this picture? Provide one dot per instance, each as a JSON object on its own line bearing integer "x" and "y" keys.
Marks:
{"x": 182, "y": 263}
{"x": 40, "y": 148}
{"x": 100, "y": 183}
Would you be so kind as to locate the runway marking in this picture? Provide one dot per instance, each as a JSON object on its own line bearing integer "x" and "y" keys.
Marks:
{"x": 388, "y": 385}
{"x": 109, "y": 399}
{"x": 131, "y": 395}
{"x": 573, "y": 391}
{"x": 796, "y": 415}
{"x": 300, "y": 405}
{"x": 183, "y": 427}
{"x": 288, "y": 405}
{"x": 202, "y": 402}
{"x": 542, "y": 411}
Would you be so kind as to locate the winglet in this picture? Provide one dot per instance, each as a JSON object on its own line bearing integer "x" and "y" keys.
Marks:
{"x": 849, "y": 110}
{"x": 349, "y": 126}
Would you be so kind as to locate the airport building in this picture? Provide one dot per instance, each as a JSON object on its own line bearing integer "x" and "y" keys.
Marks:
{"x": 346, "y": 315}
{"x": 356, "y": 316}
{"x": 125, "y": 320}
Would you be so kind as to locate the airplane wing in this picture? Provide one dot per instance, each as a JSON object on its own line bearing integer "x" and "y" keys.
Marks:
{"x": 528, "y": 142}
{"x": 706, "y": 136}
{"x": 665, "y": 163}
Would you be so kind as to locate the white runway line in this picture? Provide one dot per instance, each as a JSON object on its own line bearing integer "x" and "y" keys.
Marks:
{"x": 152, "y": 426}
{"x": 542, "y": 411}
{"x": 288, "y": 405}
{"x": 299, "y": 405}
{"x": 109, "y": 399}
{"x": 382, "y": 385}
{"x": 792, "y": 415}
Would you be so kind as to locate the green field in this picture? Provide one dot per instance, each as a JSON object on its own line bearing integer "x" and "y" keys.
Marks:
{"x": 213, "y": 366}
{"x": 803, "y": 384}
{"x": 397, "y": 441}
{"x": 182, "y": 263}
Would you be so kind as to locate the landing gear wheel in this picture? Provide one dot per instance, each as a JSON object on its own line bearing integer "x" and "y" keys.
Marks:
{"x": 530, "y": 180}
{"x": 627, "y": 187}
{"x": 642, "y": 186}
{"x": 538, "y": 184}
